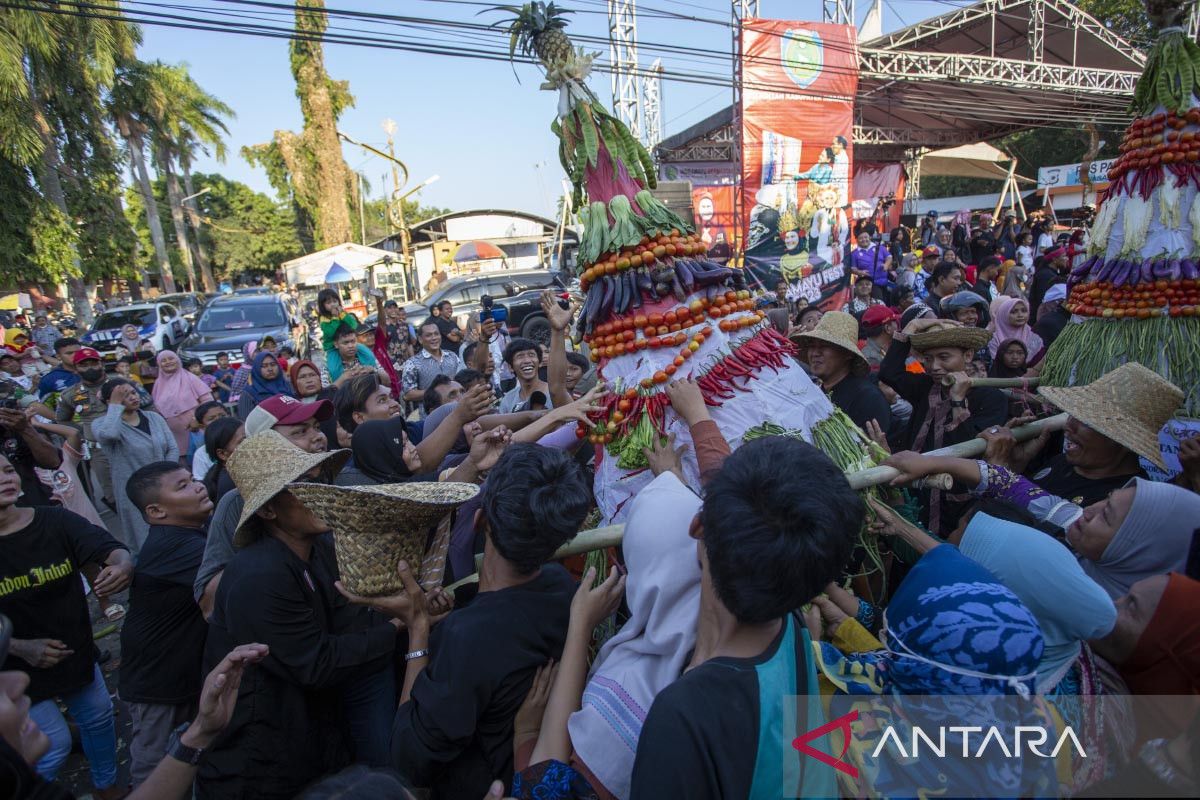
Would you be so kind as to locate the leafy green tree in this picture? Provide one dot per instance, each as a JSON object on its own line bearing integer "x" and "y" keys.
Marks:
{"x": 244, "y": 233}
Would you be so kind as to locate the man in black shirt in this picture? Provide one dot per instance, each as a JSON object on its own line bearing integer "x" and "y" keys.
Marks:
{"x": 162, "y": 643}
{"x": 452, "y": 336}
{"x": 41, "y": 591}
{"x": 942, "y": 415}
{"x": 290, "y": 724}
{"x": 26, "y": 448}
{"x": 454, "y": 729}
{"x": 777, "y": 525}
{"x": 1052, "y": 268}
{"x": 834, "y": 359}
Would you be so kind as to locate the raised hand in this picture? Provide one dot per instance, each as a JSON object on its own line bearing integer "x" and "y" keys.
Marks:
{"x": 559, "y": 317}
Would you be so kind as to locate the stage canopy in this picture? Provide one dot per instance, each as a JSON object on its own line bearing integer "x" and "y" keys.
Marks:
{"x": 979, "y": 160}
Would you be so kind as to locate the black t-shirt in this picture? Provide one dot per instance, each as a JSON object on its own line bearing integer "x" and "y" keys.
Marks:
{"x": 445, "y": 326}
{"x": 1059, "y": 478}
{"x": 33, "y": 491}
{"x": 862, "y": 401}
{"x": 162, "y": 643}
{"x": 983, "y": 244}
{"x": 41, "y": 592}
{"x": 703, "y": 737}
{"x": 455, "y": 734}
{"x": 143, "y": 423}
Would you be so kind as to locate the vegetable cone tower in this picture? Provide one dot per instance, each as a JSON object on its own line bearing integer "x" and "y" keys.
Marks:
{"x": 656, "y": 309}
{"x": 1137, "y": 296}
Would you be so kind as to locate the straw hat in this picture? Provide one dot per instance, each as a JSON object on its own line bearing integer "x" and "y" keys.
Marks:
{"x": 841, "y": 330}
{"x": 947, "y": 334}
{"x": 263, "y": 465}
{"x": 1129, "y": 405}
{"x": 375, "y": 527}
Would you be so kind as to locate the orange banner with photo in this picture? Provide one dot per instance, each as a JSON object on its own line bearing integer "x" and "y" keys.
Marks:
{"x": 799, "y": 81}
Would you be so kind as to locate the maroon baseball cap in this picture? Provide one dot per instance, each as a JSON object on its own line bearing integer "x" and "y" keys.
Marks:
{"x": 930, "y": 250}
{"x": 85, "y": 354}
{"x": 878, "y": 315}
{"x": 284, "y": 410}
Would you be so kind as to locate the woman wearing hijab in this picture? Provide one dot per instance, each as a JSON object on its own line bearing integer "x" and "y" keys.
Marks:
{"x": 932, "y": 647}
{"x": 1155, "y": 645}
{"x": 382, "y": 454}
{"x": 1010, "y": 320}
{"x": 266, "y": 380}
{"x": 305, "y": 377}
{"x": 177, "y": 395}
{"x": 1141, "y": 530}
{"x": 1011, "y": 360}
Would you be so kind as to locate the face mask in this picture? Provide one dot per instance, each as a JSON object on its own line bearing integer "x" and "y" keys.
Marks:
{"x": 92, "y": 375}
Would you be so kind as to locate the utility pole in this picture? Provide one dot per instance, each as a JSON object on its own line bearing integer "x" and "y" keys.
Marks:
{"x": 397, "y": 210}
{"x": 362, "y": 217}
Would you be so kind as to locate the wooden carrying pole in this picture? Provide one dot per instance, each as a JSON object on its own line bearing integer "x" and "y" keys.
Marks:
{"x": 610, "y": 535}
{"x": 996, "y": 383}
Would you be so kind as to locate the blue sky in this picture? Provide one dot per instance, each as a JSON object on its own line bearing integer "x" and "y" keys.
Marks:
{"x": 467, "y": 120}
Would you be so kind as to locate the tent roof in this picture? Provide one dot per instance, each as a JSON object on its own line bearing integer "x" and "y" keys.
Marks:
{"x": 310, "y": 270}
{"x": 979, "y": 160}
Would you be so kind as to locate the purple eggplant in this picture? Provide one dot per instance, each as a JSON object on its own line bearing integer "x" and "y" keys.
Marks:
{"x": 1147, "y": 271}
{"x": 1083, "y": 268}
{"x": 684, "y": 273}
{"x": 635, "y": 289}
{"x": 1106, "y": 270}
{"x": 1120, "y": 275}
{"x": 1187, "y": 268}
{"x": 606, "y": 299}
{"x": 1174, "y": 268}
{"x": 714, "y": 276}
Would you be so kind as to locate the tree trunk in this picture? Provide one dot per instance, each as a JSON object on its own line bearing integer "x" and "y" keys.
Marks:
{"x": 320, "y": 101}
{"x": 51, "y": 184}
{"x": 206, "y": 273}
{"x": 175, "y": 200}
{"x": 156, "y": 231}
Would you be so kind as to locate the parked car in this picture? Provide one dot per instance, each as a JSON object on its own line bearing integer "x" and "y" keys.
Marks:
{"x": 189, "y": 304}
{"x": 228, "y": 322}
{"x": 519, "y": 291}
{"x": 159, "y": 322}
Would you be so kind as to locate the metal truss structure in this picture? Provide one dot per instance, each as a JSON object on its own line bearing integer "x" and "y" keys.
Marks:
{"x": 987, "y": 12}
{"x": 839, "y": 12}
{"x": 974, "y": 74}
{"x": 622, "y": 47}
{"x": 652, "y": 105}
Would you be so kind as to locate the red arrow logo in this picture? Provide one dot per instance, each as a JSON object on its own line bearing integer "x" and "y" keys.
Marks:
{"x": 843, "y": 724}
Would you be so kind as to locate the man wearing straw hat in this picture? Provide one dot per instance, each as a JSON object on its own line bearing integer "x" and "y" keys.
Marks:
{"x": 454, "y": 728}
{"x": 1112, "y": 421}
{"x": 942, "y": 415}
{"x": 835, "y": 360}
{"x": 294, "y": 724}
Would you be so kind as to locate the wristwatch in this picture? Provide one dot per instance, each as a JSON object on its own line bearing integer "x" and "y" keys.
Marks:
{"x": 958, "y": 403}
{"x": 179, "y": 751}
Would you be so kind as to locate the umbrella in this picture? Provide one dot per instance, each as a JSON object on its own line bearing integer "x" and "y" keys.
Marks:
{"x": 338, "y": 274}
{"x": 477, "y": 251}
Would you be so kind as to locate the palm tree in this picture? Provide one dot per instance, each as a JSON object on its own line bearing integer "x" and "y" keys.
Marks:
{"x": 48, "y": 63}
{"x": 191, "y": 122}
{"x": 138, "y": 98}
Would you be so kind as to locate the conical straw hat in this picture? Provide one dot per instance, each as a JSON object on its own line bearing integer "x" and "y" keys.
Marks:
{"x": 841, "y": 330}
{"x": 1129, "y": 405}
{"x": 263, "y": 465}
{"x": 375, "y": 527}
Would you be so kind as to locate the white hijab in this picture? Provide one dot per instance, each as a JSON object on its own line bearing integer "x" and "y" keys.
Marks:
{"x": 651, "y": 649}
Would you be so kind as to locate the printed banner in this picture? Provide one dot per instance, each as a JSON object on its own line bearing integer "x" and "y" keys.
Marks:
{"x": 799, "y": 80}
{"x": 714, "y": 219}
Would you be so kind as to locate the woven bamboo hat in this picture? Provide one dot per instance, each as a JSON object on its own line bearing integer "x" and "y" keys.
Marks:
{"x": 263, "y": 465}
{"x": 1129, "y": 405}
{"x": 840, "y": 330}
{"x": 947, "y": 334}
{"x": 375, "y": 527}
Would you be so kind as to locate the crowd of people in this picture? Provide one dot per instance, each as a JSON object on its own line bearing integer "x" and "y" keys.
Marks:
{"x": 254, "y": 665}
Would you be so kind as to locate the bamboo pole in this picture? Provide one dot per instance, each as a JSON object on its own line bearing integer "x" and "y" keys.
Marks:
{"x": 996, "y": 383}
{"x": 610, "y": 535}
